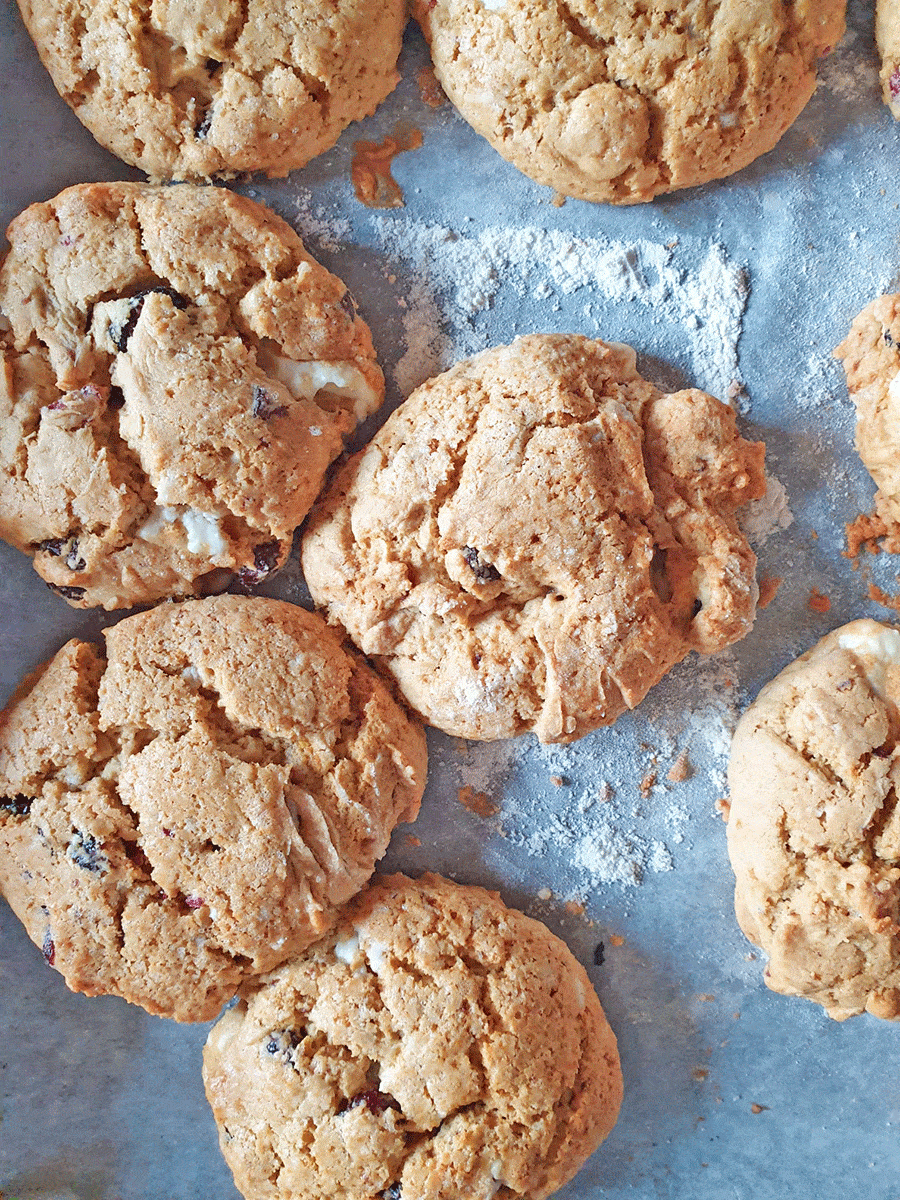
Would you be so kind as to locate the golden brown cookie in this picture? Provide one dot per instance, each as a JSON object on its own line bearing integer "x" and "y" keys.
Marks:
{"x": 871, "y": 357}
{"x": 536, "y": 536}
{"x": 188, "y": 810}
{"x": 619, "y": 100}
{"x": 437, "y": 1044}
{"x": 188, "y": 91}
{"x": 887, "y": 32}
{"x": 814, "y": 824}
{"x": 178, "y": 374}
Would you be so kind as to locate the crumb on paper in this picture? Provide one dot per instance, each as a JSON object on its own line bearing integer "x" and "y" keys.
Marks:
{"x": 559, "y": 199}
{"x": 756, "y": 1109}
{"x": 647, "y": 783}
{"x": 872, "y": 531}
{"x": 558, "y": 780}
{"x": 574, "y": 908}
{"x": 706, "y": 997}
{"x": 699, "y": 1074}
{"x": 818, "y": 602}
{"x": 545, "y": 894}
{"x": 370, "y": 170}
{"x": 884, "y": 598}
{"x": 412, "y": 840}
{"x": 681, "y": 769}
{"x": 477, "y": 802}
{"x": 616, "y": 939}
{"x": 429, "y": 88}
{"x": 723, "y": 807}
{"x": 768, "y": 587}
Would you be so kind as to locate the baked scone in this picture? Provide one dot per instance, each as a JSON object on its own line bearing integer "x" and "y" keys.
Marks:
{"x": 871, "y": 357}
{"x": 814, "y": 825}
{"x": 619, "y": 100}
{"x": 536, "y": 536}
{"x": 887, "y": 34}
{"x": 437, "y": 1044}
{"x": 178, "y": 374}
{"x": 188, "y": 809}
{"x": 190, "y": 91}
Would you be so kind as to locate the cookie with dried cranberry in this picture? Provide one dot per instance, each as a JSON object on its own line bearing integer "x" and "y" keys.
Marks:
{"x": 536, "y": 536}
{"x": 887, "y": 34}
{"x": 190, "y": 91}
{"x": 178, "y": 374}
{"x": 187, "y": 808}
{"x": 436, "y": 1044}
{"x": 620, "y": 100}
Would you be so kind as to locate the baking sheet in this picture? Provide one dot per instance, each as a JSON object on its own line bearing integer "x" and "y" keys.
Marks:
{"x": 730, "y": 1091}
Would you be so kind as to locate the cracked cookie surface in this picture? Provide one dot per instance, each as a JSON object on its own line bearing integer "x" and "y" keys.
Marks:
{"x": 189, "y": 809}
{"x": 437, "y": 1044}
{"x": 871, "y": 358}
{"x": 178, "y": 374}
{"x": 814, "y": 825}
{"x": 190, "y": 91}
{"x": 887, "y": 34}
{"x": 536, "y": 536}
{"x": 620, "y": 100}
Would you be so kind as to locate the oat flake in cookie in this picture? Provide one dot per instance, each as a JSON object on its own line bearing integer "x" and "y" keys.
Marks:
{"x": 217, "y": 87}
{"x": 871, "y": 358}
{"x": 436, "y": 1045}
{"x": 536, "y": 536}
{"x": 187, "y": 810}
{"x": 814, "y": 824}
{"x": 178, "y": 374}
{"x": 621, "y": 100}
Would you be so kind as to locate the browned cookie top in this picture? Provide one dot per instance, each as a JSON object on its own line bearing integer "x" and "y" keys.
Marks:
{"x": 536, "y": 536}
{"x": 437, "y": 1044}
{"x": 188, "y": 809}
{"x": 621, "y": 100}
{"x": 191, "y": 90}
{"x": 177, "y": 375}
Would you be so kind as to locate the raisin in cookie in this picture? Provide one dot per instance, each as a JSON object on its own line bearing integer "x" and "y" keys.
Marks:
{"x": 437, "y": 1044}
{"x": 619, "y": 100}
{"x": 187, "y": 810}
{"x": 536, "y": 536}
{"x": 178, "y": 374}
{"x": 871, "y": 358}
{"x": 188, "y": 91}
{"x": 887, "y": 32}
{"x": 814, "y": 824}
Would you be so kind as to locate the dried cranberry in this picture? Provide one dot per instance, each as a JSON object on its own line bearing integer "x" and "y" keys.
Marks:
{"x": 70, "y": 593}
{"x": 889, "y": 340}
{"x": 894, "y": 83}
{"x": 282, "y": 1041}
{"x": 265, "y": 405}
{"x": 136, "y": 303}
{"x": 48, "y": 949}
{"x": 18, "y": 805}
{"x": 202, "y": 128}
{"x": 374, "y": 1100}
{"x": 52, "y": 546}
{"x": 136, "y": 855}
{"x": 599, "y": 954}
{"x": 74, "y": 561}
{"x": 265, "y": 561}
{"x": 392, "y": 1192}
{"x": 194, "y": 901}
{"x": 116, "y": 398}
{"x": 86, "y": 852}
{"x": 485, "y": 572}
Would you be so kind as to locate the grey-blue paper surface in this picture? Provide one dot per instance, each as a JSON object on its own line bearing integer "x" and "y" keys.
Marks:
{"x": 743, "y": 286}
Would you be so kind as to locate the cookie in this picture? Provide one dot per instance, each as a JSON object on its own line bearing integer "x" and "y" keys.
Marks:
{"x": 871, "y": 357}
{"x": 178, "y": 374}
{"x": 620, "y": 101}
{"x": 187, "y": 810}
{"x": 437, "y": 1044}
{"x": 224, "y": 88}
{"x": 814, "y": 825}
{"x": 536, "y": 536}
{"x": 887, "y": 34}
